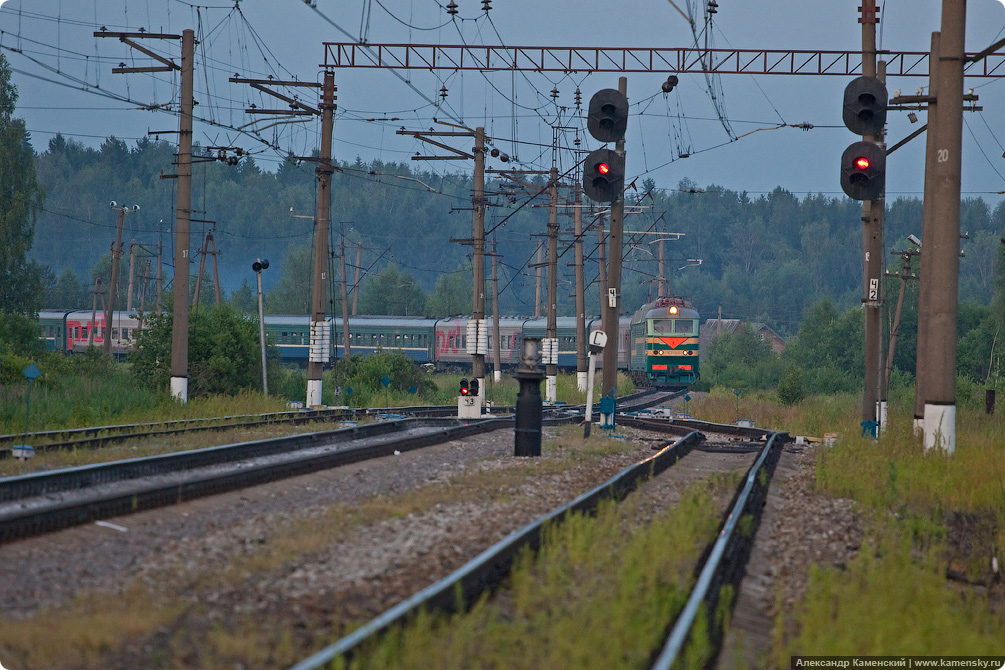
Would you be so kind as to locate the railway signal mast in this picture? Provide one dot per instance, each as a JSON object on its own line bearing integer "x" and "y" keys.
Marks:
{"x": 604, "y": 181}
{"x": 863, "y": 177}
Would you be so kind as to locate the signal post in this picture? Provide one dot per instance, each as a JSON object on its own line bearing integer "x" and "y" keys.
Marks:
{"x": 604, "y": 181}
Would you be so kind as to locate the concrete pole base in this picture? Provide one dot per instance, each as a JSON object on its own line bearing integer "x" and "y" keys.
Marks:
{"x": 940, "y": 427}
{"x": 551, "y": 388}
{"x": 313, "y": 393}
{"x": 179, "y": 389}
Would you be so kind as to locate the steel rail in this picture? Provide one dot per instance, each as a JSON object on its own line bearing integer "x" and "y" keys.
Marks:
{"x": 463, "y": 586}
{"x": 55, "y": 517}
{"x": 41, "y": 483}
{"x": 96, "y": 436}
{"x": 727, "y": 557}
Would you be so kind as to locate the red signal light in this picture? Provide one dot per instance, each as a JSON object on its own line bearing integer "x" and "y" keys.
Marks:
{"x": 862, "y": 163}
{"x": 603, "y": 168}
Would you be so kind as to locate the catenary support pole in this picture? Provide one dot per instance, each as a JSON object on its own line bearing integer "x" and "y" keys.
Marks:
{"x": 921, "y": 375}
{"x": 496, "y": 340}
{"x": 942, "y": 248}
{"x": 478, "y": 303}
{"x": 613, "y": 305}
{"x": 183, "y": 213}
{"x": 581, "y": 364}
{"x": 551, "y": 339}
{"x": 320, "y": 342}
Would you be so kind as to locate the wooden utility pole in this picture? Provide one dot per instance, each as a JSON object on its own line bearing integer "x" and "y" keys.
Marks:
{"x": 581, "y": 362}
{"x": 143, "y": 290}
{"x": 942, "y": 242}
{"x": 202, "y": 269}
{"x": 112, "y": 284}
{"x": 613, "y": 304}
{"x": 537, "y": 284}
{"x": 661, "y": 288}
{"x": 905, "y": 275}
{"x": 160, "y": 277}
{"x": 94, "y": 311}
{"x": 320, "y": 344}
{"x": 345, "y": 295}
{"x": 550, "y": 350}
{"x": 132, "y": 271}
{"x": 216, "y": 269}
{"x": 355, "y": 281}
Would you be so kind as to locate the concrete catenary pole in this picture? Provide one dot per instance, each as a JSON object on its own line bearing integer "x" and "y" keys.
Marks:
{"x": 551, "y": 339}
{"x": 942, "y": 244}
{"x": 320, "y": 343}
{"x": 613, "y": 305}
{"x": 921, "y": 374}
{"x": 496, "y": 341}
{"x": 581, "y": 362}
{"x": 183, "y": 212}
{"x": 478, "y": 347}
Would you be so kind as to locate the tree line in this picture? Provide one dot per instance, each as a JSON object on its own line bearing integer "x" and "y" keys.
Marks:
{"x": 771, "y": 258}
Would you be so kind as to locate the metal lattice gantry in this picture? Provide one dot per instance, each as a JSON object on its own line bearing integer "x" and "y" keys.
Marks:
{"x": 623, "y": 60}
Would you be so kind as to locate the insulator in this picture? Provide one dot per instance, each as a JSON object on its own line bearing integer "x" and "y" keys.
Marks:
{"x": 451, "y": 7}
{"x": 443, "y": 92}
{"x": 486, "y": 5}
{"x": 579, "y": 97}
{"x": 504, "y": 158}
{"x": 713, "y": 7}
{"x": 670, "y": 83}
{"x": 494, "y": 153}
{"x": 554, "y": 93}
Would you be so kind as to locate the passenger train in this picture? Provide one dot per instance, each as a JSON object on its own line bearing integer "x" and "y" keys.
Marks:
{"x": 658, "y": 345}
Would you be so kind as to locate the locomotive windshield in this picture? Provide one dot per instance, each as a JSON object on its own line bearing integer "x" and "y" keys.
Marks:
{"x": 673, "y": 326}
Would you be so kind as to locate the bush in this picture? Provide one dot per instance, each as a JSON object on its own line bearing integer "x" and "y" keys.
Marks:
{"x": 791, "y": 388}
{"x": 223, "y": 352}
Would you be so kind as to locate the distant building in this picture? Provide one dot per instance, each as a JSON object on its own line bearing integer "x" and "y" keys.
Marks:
{"x": 712, "y": 328}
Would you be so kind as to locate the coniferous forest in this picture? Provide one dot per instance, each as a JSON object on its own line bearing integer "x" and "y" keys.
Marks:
{"x": 764, "y": 257}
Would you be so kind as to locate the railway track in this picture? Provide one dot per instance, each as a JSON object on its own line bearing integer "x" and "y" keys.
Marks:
{"x": 100, "y": 436}
{"x": 722, "y": 563}
{"x": 42, "y": 502}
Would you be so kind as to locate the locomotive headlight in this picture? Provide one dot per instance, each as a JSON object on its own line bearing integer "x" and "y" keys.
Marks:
{"x": 673, "y": 309}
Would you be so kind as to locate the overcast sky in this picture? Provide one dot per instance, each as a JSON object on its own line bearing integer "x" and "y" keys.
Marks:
{"x": 64, "y": 80}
